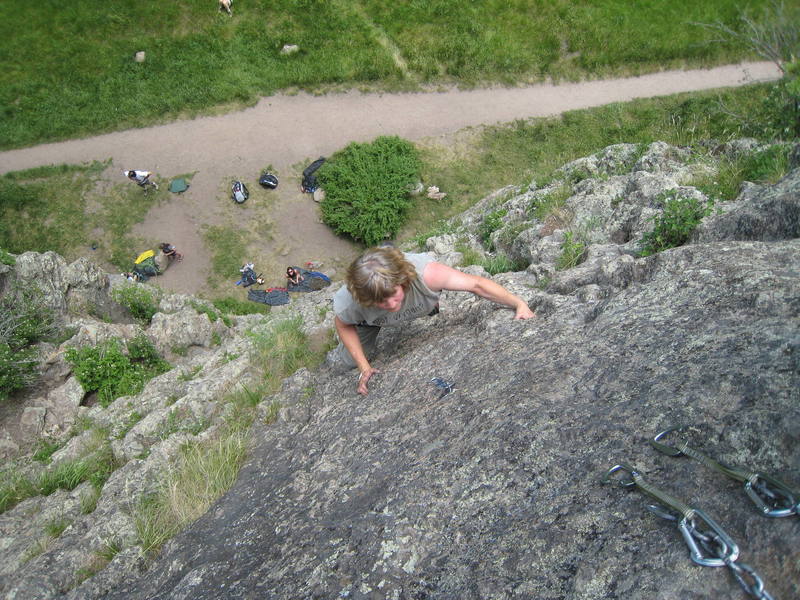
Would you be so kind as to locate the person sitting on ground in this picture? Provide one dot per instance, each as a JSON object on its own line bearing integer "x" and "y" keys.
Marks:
{"x": 142, "y": 178}
{"x": 293, "y": 275}
{"x": 170, "y": 250}
{"x": 167, "y": 253}
{"x": 386, "y": 287}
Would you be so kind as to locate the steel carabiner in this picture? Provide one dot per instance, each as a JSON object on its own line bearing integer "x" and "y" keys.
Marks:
{"x": 772, "y": 497}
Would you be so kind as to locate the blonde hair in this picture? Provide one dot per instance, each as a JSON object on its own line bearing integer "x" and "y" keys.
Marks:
{"x": 373, "y": 277}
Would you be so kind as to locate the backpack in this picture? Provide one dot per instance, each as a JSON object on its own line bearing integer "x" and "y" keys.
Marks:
{"x": 239, "y": 192}
{"x": 309, "y": 184}
{"x": 268, "y": 180}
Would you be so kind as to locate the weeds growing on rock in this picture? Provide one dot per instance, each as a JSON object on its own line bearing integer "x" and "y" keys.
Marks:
{"x": 140, "y": 301}
{"x": 491, "y": 223}
{"x": 573, "y": 251}
{"x": 675, "y": 224}
{"x": 24, "y": 321}
{"x": 45, "y": 448}
{"x": 281, "y": 349}
{"x": 97, "y": 562}
{"x": 96, "y": 466}
{"x": 235, "y": 306}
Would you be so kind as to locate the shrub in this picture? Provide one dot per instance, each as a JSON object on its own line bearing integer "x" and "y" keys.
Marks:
{"x": 7, "y": 259}
{"x": 675, "y": 224}
{"x": 24, "y": 321}
{"x": 776, "y": 37}
{"x": 107, "y": 370}
{"x": 141, "y": 303}
{"x": 366, "y": 188}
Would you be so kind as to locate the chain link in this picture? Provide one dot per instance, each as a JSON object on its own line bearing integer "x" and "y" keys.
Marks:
{"x": 709, "y": 546}
{"x": 756, "y": 589}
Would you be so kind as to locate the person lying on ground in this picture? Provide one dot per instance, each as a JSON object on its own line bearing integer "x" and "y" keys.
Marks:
{"x": 142, "y": 178}
{"x": 387, "y": 287}
{"x": 293, "y": 275}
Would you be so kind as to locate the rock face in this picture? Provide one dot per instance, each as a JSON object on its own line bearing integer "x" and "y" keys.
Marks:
{"x": 494, "y": 489}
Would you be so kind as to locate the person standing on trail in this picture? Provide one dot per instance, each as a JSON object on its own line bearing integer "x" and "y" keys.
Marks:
{"x": 142, "y": 179}
{"x": 387, "y": 287}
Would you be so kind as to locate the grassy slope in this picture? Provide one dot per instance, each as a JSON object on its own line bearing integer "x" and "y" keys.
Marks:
{"x": 68, "y": 68}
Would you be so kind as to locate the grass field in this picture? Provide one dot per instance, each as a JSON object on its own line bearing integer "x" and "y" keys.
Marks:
{"x": 69, "y": 68}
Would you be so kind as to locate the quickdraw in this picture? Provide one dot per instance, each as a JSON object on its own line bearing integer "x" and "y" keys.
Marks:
{"x": 708, "y": 543}
{"x": 772, "y": 497}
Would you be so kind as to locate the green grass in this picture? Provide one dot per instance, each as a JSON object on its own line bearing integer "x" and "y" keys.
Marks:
{"x": 236, "y": 306}
{"x": 95, "y": 467}
{"x": 60, "y": 208}
{"x": 69, "y": 68}
{"x": 281, "y": 349}
{"x": 45, "y": 208}
{"x": 764, "y": 167}
{"x": 201, "y": 474}
{"x": 227, "y": 244}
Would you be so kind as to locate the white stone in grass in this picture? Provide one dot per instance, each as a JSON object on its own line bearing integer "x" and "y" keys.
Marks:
{"x": 139, "y": 56}
{"x": 290, "y": 49}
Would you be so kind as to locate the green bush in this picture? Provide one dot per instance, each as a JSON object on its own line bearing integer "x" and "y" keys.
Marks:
{"x": 7, "y": 259}
{"x": 107, "y": 370}
{"x": 138, "y": 300}
{"x": 366, "y": 188}
{"x": 24, "y": 321}
{"x": 675, "y": 224}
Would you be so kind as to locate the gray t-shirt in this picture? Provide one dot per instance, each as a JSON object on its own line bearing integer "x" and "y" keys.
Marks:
{"x": 419, "y": 301}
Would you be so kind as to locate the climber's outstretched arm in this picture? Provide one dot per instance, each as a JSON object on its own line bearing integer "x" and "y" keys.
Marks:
{"x": 440, "y": 277}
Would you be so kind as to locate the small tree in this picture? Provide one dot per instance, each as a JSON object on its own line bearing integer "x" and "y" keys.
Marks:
{"x": 366, "y": 188}
{"x": 775, "y": 37}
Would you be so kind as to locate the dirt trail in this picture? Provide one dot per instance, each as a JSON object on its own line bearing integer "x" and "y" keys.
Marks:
{"x": 289, "y": 131}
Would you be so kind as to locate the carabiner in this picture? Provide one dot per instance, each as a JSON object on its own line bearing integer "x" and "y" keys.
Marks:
{"x": 623, "y": 482}
{"x": 771, "y": 496}
{"x": 728, "y": 551}
{"x": 663, "y": 448}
